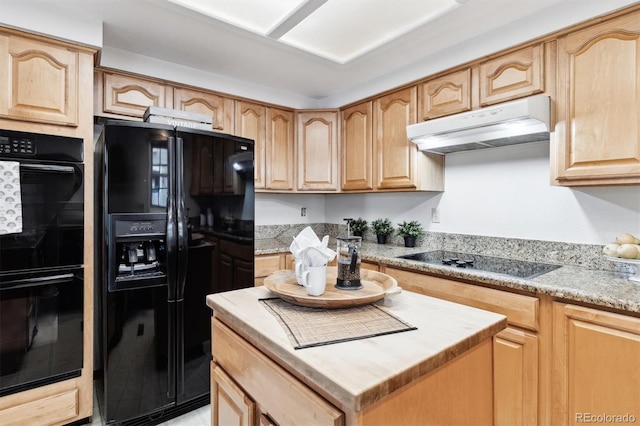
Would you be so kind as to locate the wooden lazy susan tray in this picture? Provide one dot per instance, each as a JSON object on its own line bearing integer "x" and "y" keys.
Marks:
{"x": 375, "y": 286}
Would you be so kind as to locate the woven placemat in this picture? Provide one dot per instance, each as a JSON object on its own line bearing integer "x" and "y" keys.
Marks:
{"x": 308, "y": 327}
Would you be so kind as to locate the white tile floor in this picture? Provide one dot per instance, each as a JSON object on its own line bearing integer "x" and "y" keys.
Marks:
{"x": 199, "y": 417}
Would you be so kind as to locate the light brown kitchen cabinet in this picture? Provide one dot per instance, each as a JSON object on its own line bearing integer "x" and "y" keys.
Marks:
{"x": 398, "y": 165}
{"x": 220, "y": 108}
{"x": 279, "y": 150}
{"x": 515, "y": 349}
{"x": 357, "y": 147}
{"x": 252, "y": 376}
{"x": 317, "y": 150}
{"x": 38, "y": 80}
{"x": 597, "y": 137}
{"x": 596, "y": 366}
{"x": 267, "y": 264}
{"x": 251, "y": 123}
{"x": 230, "y": 406}
{"x": 445, "y": 95}
{"x": 513, "y": 75}
{"x": 125, "y": 96}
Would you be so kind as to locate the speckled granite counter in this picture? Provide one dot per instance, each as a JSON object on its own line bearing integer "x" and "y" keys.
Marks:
{"x": 598, "y": 287}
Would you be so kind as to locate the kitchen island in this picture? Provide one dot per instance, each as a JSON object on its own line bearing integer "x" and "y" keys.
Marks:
{"x": 439, "y": 373}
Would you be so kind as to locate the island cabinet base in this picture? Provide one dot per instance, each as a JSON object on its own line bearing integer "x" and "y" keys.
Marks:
{"x": 249, "y": 388}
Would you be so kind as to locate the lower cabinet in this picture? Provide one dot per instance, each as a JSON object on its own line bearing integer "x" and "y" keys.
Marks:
{"x": 235, "y": 265}
{"x": 515, "y": 349}
{"x": 596, "y": 367}
{"x": 261, "y": 392}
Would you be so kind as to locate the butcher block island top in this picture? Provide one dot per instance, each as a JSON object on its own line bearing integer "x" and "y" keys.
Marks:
{"x": 434, "y": 370}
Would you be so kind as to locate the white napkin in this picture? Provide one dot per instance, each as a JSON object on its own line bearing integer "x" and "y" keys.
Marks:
{"x": 313, "y": 251}
{"x": 10, "y": 198}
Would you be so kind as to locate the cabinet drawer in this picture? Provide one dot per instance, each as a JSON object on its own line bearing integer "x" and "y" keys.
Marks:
{"x": 265, "y": 265}
{"x": 281, "y": 396}
{"x": 522, "y": 311}
{"x": 51, "y": 410}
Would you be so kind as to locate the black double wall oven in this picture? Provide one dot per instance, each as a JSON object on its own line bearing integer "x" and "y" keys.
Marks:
{"x": 41, "y": 258}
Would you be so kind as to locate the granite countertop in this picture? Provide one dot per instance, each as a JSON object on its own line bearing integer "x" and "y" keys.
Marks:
{"x": 329, "y": 369}
{"x": 597, "y": 287}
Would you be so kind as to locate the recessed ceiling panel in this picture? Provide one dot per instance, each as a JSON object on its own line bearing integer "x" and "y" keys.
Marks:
{"x": 342, "y": 30}
{"x": 338, "y": 30}
{"x": 258, "y": 16}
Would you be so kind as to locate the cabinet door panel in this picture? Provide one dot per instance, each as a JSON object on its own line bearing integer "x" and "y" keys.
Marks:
{"x": 230, "y": 406}
{"x": 396, "y": 156}
{"x": 317, "y": 148}
{"x": 515, "y": 375}
{"x": 357, "y": 147}
{"x": 446, "y": 95}
{"x": 596, "y": 364}
{"x": 512, "y": 76}
{"x": 39, "y": 81}
{"x": 251, "y": 122}
{"x": 279, "y": 153}
{"x": 131, "y": 96}
{"x": 218, "y": 107}
{"x": 598, "y": 104}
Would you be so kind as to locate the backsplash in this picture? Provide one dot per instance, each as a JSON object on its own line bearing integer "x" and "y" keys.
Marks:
{"x": 584, "y": 255}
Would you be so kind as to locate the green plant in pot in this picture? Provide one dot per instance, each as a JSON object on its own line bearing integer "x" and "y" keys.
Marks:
{"x": 382, "y": 228}
{"x": 410, "y": 230}
{"x": 358, "y": 226}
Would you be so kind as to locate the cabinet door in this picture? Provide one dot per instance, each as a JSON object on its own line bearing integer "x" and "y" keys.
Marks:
{"x": 357, "y": 147}
{"x": 598, "y": 104}
{"x": 596, "y": 366}
{"x": 395, "y": 155}
{"x": 251, "y": 123}
{"x": 279, "y": 150}
{"x": 129, "y": 96}
{"x": 317, "y": 150}
{"x": 512, "y": 76}
{"x": 230, "y": 406}
{"x": 515, "y": 377}
{"x": 218, "y": 107}
{"x": 225, "y": 272}
{"x": 446, "y": 95}
{"x": 38, "y": 81}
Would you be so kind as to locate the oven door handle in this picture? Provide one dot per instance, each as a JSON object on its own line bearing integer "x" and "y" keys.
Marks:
{"x": 34, "y": 282}
{"x": 48, "y": 168}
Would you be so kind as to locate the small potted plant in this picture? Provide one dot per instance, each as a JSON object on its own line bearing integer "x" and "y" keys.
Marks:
{"x": 410, "y": 231}
{"x": 358, "y": 226}
{"x": 382, "y": 228}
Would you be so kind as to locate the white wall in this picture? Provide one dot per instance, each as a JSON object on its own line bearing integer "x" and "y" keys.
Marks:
{"x": 500, "y": 192}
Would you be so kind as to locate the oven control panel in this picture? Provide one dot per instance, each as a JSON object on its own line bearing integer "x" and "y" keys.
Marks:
{"x": 14, "y": 145}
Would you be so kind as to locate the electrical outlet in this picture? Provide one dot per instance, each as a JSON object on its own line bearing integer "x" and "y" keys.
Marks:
{"x": 303, "y": 211}
{"x": 435, "y": 215}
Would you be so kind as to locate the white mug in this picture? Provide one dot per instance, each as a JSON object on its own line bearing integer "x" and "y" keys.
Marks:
{"x": 314, "y": 279}
{"x": 299, "y": 268}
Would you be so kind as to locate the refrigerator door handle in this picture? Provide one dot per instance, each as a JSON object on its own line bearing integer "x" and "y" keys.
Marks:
{"x": 172, "y": 269}
{"x": 182, "y": 221}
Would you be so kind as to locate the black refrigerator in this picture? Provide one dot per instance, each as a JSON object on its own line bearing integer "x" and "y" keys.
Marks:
{"x": 162, "y": 191}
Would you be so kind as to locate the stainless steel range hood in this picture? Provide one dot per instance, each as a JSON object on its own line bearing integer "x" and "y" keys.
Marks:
{"x": 520, "y": 121}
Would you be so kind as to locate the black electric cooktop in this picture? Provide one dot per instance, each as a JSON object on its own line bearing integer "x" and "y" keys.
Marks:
{"x": 497, "y": 265}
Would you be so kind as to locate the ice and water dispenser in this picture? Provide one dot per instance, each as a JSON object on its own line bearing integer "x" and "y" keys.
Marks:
{"x": 138, "y": 251}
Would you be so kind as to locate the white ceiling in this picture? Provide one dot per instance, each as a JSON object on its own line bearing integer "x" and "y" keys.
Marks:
{"x": 169, "y": 32}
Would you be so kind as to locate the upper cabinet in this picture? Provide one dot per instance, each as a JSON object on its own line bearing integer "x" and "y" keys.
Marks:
{"x": 125, "y": 96}
{"x": 398, "y": 165}
{"x": 279, "y": 150}
{"x": 220, "y": 108}
{"x": 357, "y": 147}
{"x": 514, "y": 75}
{"x": 317, "y": 150}
{"x": 38, "y": 80}
{"x": 597, "y": 137}
{"x": 446, "y": 95}
{"x": 251, "y": 123}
